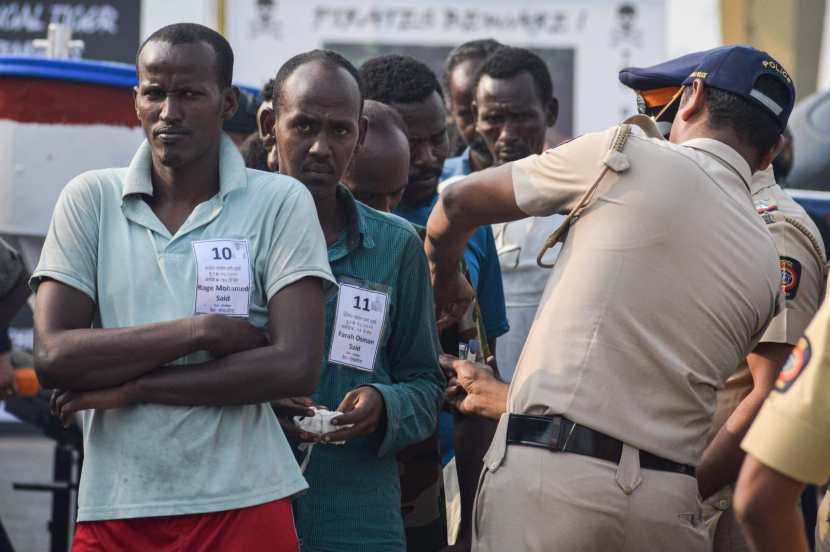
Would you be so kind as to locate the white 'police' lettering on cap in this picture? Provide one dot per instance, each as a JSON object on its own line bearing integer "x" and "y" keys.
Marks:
{"x": 767, "y": 101}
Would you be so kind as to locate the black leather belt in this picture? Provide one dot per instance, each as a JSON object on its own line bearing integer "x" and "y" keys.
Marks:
{"x": 558, "y": 434}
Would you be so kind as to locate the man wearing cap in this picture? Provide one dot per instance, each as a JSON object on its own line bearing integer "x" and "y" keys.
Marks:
{"x": 795, "y": 417}
{"x": 802, "y": 261}
{"x": 652, "y": 304}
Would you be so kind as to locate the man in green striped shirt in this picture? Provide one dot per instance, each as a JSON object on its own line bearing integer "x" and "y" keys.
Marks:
{"x": 381, "y": 358}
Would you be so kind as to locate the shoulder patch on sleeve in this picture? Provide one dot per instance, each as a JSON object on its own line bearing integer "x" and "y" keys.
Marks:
{"x": 790, "y": 276}
{"x": 798, "y": 361}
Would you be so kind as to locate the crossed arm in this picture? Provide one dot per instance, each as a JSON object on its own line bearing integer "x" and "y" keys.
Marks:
{"x": 109, "y": 368}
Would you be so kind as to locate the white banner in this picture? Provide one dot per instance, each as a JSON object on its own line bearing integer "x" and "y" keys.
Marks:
{"x": 37, "y": 160}
{"x": 584, "y": 42}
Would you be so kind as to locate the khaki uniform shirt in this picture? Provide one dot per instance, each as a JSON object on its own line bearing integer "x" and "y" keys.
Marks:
{"x": 802, "y": 260}
{"x": 791, "y": 431}
{"x": 665, "y": 283}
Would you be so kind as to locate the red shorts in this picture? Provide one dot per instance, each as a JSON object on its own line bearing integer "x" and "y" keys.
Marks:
{"x": 267, "y": 527}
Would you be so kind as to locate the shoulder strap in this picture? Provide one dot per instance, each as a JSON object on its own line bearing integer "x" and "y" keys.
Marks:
{"x": 615, "y": 161}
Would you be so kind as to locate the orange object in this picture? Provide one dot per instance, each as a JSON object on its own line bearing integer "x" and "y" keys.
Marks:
{"x": 27, "y": 383}
{"x": 659, "y": 97}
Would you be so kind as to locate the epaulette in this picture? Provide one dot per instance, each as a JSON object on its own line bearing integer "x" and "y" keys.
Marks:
{"x": 817, "y": 250}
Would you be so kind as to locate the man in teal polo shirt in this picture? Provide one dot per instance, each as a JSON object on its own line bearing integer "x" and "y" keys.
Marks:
{"x": 175, "y": 299}
{"x": 381, "y": 360}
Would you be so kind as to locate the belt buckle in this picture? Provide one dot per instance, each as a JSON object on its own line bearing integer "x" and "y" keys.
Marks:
{"x": 555, "y": 438}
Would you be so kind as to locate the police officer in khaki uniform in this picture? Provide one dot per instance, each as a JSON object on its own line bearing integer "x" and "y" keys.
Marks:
{"x": 666, "y": 280}
{"x": 788, "y": 446}
{"x": 802, "y": 261}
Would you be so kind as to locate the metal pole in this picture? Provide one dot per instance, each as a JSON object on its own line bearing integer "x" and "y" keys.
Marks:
{"x": 59, "y": 524}
{"x": 220, "y": 16}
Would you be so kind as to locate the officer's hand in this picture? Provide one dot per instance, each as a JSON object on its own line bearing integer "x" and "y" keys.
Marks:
{"x": 286, "y": 409}
{"x": 65, "y": 404}
{"x": 453, "y": 296}
{"x": 455, "y": 394}
{"x": 226, "y": 335}
{"x": 8, "y": 386}
{"x": 473, "y": 388}
{"x": 363, "y": 407}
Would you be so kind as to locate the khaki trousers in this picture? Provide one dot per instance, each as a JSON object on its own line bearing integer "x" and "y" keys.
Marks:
{"x": 536, "y": 500}
{"x": 724, "y": 529}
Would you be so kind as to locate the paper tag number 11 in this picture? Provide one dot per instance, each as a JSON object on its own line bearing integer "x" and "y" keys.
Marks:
{"x": 358, "y": 326}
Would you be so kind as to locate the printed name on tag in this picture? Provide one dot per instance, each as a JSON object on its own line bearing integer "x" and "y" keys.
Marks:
{"x": 223, "y": 277}
{"x": 358, "y": 326}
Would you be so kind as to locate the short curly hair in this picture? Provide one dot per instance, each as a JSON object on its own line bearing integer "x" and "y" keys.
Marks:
{"x": 507, "y": 62}
{"x": 401, "y": 79}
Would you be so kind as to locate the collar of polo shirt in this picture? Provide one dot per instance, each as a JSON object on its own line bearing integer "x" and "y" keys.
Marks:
{"x": 232, "y": 172}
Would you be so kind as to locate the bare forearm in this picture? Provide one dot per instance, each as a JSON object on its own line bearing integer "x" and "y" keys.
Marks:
{"x": 250, "y": 377}
{"x": 483, "y": 198}
{"x": 446, "y": 239}
{"x": 85, "y": 359}
{"x": 766, "y": 506}
{"x": 780, "y": 528}
{"x": 722, "y": 459}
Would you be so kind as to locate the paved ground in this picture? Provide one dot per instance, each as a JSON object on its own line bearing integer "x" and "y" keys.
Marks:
{"x": 25, "y": 458}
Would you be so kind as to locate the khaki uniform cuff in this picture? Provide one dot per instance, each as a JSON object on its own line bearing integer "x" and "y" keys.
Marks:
{"x": 787, "y": 327}
{"x": 789, "y": 445}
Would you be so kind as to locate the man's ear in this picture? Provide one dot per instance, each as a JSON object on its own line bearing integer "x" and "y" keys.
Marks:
{"x": 135, "y": 101}
{"x": 695, "y": 101}
{"x": 553, "y": 112}
{"x": 266, "y": 121}
{"x": 230, "y": 102}
{"x": 362, "y": 126}
{"x": 767, "y": 158}
{"x": 262, "y": 130}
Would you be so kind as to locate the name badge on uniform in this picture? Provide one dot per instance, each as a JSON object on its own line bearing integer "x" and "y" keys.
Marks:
{"x": 223, "y": 277}
{"x": 358, "y": 325}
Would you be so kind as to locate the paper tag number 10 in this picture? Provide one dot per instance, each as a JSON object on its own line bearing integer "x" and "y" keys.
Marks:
{"x": 226, "y": 253}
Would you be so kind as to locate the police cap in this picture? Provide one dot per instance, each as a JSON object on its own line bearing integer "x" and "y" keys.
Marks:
{"x": 737, "y": 68}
